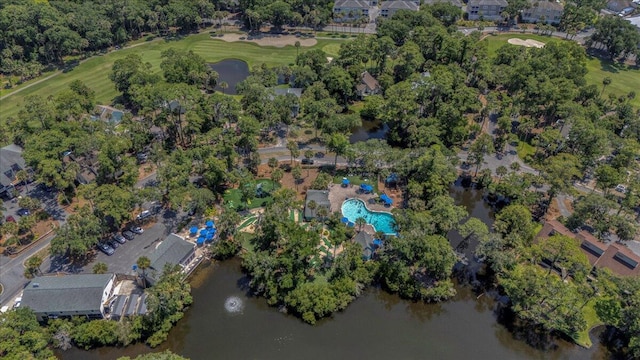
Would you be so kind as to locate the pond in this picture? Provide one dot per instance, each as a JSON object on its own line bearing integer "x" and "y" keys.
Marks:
{"x": 226, "y": 322}
{"x": 368, "y": 130}
{"x": 231, "y": 71}
{"x": 353, "y": 209}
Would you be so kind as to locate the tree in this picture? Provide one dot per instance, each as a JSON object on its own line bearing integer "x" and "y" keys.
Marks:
{"x": 515, "y": 166}
{"x": 482, "y": 146}
{"x": 617, "y": 35}
{"x": 515, "y": 224}
{"x": 296, "y": 172}
{"x": 100, "y": 268}
{"x": 339, "y": 144}
{"x": 78, "y": 235}
{"x": 131, "y": 71}
{"x": 32, "y": 266}
{"x": 559, "y": 172}
{"x": 501, "y": 171}
{"x": 276, "y": 175}
{"x": 23, "y": 177}
{"x": 22, "y": 336}
{"x": 361, "y": 222}
{"x": 143, "y": 264}
{"x": 312, "y": 205}
{"x": 297, "y": 45}
{"x": 293, "y": 148}
{"x": 607, "y": 177}
{"x": 605, "y": 82}
{"x": 224, "y": 85}
{"x": 165, "y": 355}
{"x": 273, "y": 163}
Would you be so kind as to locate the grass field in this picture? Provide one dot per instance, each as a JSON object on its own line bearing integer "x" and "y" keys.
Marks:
{"x": 94, "y": 71}
{"x": 233, "y": 197}
{"x": 623, "y": 78}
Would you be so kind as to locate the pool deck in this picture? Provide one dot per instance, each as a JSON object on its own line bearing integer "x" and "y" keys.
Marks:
{"x": 338, "y": 194}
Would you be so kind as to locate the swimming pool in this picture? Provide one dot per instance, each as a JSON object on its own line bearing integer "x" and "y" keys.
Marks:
{"x": 381, "y": 221}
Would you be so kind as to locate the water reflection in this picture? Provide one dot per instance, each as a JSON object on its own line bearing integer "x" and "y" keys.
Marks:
{"x": 231, "y": 71}
{"x": 368, "y": 130}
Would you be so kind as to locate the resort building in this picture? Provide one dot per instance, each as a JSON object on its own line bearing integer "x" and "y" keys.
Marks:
{"x": 489, "y": 10}
{"x": 348, "y": 10}
{"x": 456, "y": 3}
{"x": 366, "y": 241}
{"x": 321, "y": 199}
{"x": 11, "y": 162}
{"x": 544, "y": 12}
{"x": 174, "y": 249}
{"x": 368, "y": 85}
{"x": 615, "y": 257}
{"x": 69, "y": 295}
{"x": 388, "y": 8}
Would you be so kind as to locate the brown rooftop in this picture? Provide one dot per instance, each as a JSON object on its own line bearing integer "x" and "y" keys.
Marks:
{"x": 615, "y": 257}
{"x": 369, "y": 81}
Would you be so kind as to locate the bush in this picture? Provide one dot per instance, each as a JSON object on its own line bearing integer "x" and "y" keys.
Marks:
{"x": 95, "y": 333}
{"x": 343, "y": 36}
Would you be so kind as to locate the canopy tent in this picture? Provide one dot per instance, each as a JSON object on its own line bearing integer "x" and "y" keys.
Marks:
{"x": 366, "y": 188}
{"x": 345, "y": 220}
{"x": 351, "y": 224}
{"x": 210, "y": 223}
{"x": 193, "y": 230}
{"x": 203, "y": 232}
{"x": 200, "y": 240}
{"x": 377, "y": 242}
{"x": 387, "y": 200}
{"x": 345, "y": 182}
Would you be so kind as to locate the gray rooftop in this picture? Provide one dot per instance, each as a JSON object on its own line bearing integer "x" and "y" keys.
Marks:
{"x": 294, "y": 91}
{"x": 11, "y": 162}
{"x": 171, "y": 251}
{"x": 321, "y": 197}
{"x": 487, "y": 2}
{"x": 81, "y": 292}
{"x": 352, "y": 4}
{"x": 399, "y": 5}
{"x": 457, "y": 3}
{"x": 366, "y": 241}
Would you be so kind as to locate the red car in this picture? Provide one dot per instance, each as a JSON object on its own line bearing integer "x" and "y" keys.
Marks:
{"x": 11, "y": 219}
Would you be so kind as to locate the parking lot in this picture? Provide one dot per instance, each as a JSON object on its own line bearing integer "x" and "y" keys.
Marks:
{"x": 128, "y": 253}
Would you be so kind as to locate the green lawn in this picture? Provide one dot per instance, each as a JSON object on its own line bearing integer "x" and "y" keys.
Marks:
{"x": 525, "y": 150}
{"x": 94, "y": 71}
{"x": 593, "y": 320}
{"x": 624, "y": 79}
{"x": 356, "y": 180}
{"x": 232, "y": 197}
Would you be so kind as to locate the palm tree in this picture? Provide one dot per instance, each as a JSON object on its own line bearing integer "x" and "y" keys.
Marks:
{"x": 297, "y": 175}
{"x": 276, "y": 175}
{"x": 32, "y": 266}
{"x": 224, "y": 86}
{"x": 292, "y": 146}
{"x": 308, "y": 154}
{"x": 297, "y": 45}
{"x": 143, "y": 263}
{"x": 501, "y": 171}
{"x": 605, "y": 82}
{"x": 322, "y": 213}
{"x": 361, "y": 222}
{"x": 23, "y": 176}
{"x": 100, "y": 268}
{"x": 312, "y": 205}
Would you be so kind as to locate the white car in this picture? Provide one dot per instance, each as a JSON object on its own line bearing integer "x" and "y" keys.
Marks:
{"x": 621, "y": 188}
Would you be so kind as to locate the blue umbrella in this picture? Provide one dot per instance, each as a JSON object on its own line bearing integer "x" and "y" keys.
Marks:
{"x": 345, "y": 220}
{"x": 350, "y": 224}
{"x": 193, "y": 230}
{"x": 200, "y": 241}
{"x": 203, "y": 231}
{"x": 345, "y": 181}
{"x": 210, "y": 223}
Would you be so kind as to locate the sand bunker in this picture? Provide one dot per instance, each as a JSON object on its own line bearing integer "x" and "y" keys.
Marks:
{"x": 527, "y": 43}
{"x": 269, "y": 40}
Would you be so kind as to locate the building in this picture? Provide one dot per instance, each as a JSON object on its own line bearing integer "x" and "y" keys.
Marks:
{"x": 388, "y": 8}
{"x": 321, "y": 198}
{"x": 366, "y": 241}
{"x": 69, "y": 295}
{"x": 489, "y": 10}
{"x": 615, "y": 257}
{"x": 297, "y": 92}
{"x": 11, "y": 162}
{"x": 172, "y": 250}
{"x": 617, "y": 6}
{"x": 348, "y": 10}
{"x": 456, "y": 3}
{"x": 544, "y": 12}
{"x": 88, "y": 166}
{"x": 108, "y": 114}
{"x": 368, "y": 85}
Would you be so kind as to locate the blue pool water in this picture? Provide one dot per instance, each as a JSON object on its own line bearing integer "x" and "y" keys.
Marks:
{"x": 381, "y": 221}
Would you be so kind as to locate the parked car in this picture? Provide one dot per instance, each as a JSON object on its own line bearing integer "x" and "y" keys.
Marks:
{"x": 137, "y": 230}
{"x": 144, "y": 215}
{"x": 11, "y": 219}
{"x": 114, "y": 244}
{"x": 128, "y": 235}
{"x": 106, "y": 249}
{"x": 23, "y": 212}
{"x": 119, "y": 238}
{"x": 621, "y": 188}
{"x": 142, "y": 158}
{"x": 306, "y": 161}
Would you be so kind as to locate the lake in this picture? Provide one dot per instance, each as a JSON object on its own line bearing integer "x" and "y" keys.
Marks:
{"x": 369, "y": 130}
{"x": 376, "y": 326}
{"x": 231, "y": 71}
